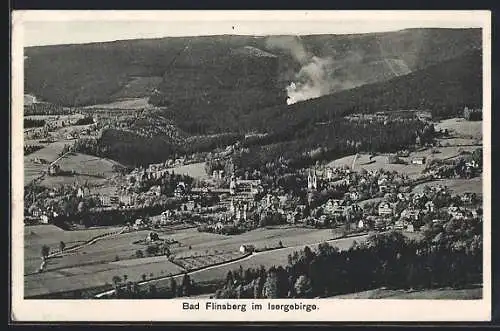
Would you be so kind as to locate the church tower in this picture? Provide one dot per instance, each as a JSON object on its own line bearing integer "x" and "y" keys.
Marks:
{"x": 312, "y": 180}
{"x": 232, "y": 185}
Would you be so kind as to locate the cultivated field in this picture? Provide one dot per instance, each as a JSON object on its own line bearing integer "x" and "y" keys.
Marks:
{"x": 260, "y": 238}
{"x": 95, "y": 264}
{"x": 457, "y": 186}
{"x": 202, "y": 261}
{"x": 267, "y": 259}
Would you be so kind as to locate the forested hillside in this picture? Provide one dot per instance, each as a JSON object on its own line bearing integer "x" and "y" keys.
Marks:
{"x": 102, "y": 72}
{"x": 444, "y": 89}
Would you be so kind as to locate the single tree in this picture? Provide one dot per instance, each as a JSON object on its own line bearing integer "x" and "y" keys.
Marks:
{"x": 186, "y": 285}
{"x": 173, "y": 287}
{"x": 45, "y": 251}
{"x": 303, "y": 286}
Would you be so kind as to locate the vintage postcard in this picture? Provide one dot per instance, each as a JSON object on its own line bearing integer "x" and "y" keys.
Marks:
{"x": 251, "y": 166}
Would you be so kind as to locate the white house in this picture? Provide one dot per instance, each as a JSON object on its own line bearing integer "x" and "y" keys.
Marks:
{"x": 329, "y": 173}
{"x": 244, "y": 249}
{"x": 418, "y": 160}
{"x": 139, "y": 224}
{"x": 429, "y": 206}
{"x": 44, "y": 219}
{"x": 410, "y": 214}
{"x": 384, "y": 209}
{"x": 354, "y": 196}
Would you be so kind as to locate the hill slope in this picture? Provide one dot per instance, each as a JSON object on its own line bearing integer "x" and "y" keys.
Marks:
{"x": 103, "y": 72}
{"x": 444, "y": 89}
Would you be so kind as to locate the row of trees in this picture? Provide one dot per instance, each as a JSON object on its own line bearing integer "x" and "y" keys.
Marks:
{"x": 126, "y": 289}
{"x": 33, "y": 123}
{"x": 28, "y": 149}
{"x": 46, "y": 109}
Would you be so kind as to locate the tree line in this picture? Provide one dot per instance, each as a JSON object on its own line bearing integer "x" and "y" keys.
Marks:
{"x": 450, "y": 258}
{"x": 33, "y": 123}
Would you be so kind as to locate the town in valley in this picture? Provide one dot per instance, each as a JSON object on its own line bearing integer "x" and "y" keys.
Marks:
{"x": 227, "y": 167}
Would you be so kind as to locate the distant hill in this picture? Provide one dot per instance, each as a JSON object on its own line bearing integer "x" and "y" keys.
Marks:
{"x": 201, "y": 66}
{"x": 444, "y": 88}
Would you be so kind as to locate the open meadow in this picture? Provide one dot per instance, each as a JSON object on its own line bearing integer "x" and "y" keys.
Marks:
{"x": 433, "y": 294}
{"x": 132, "y": 104}
{"x": 88, "y": 168}
{"x": 457, "y": 186}
{"x": 195, "y": 170}
{"x": 268, "y": 259}
{"x": 363, "y": 161}
{"x": 96, "y": 264}
{"x": 138, "y": 87}
{"x": 461, "y": 127}
{"x": 49, "y": 153}
{"x": 35, "y": 236}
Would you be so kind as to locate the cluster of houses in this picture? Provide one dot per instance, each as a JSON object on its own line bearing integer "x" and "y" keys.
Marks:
{"x": 400, "y": 115}
{"x": 398, "y": 207}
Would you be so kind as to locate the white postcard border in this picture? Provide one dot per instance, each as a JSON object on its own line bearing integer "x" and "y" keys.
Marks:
{"x": 171, "y": 310}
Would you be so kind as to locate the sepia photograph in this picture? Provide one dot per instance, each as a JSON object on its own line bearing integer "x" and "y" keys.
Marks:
{"x": 251, "y": 164}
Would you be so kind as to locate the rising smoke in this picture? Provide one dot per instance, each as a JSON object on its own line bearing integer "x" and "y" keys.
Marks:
{"x": 315, "y": 78}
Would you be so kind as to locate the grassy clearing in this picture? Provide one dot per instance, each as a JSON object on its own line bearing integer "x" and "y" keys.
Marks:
{"x": 458, "y": 186}
{"x": 95, "y": 275}
{"x": 462, "y": 127}
{"x": 434, "y": 294}
{"x": 88, "y": 168}
{"x": 36, "y": 236}
{"x": 95, "y": 264}
{"x": 195, "y": 170}
{"x": 267, "y": 259}
{"x": 49, "y": 153}
{"x": 138, "y": 87}
{"x": 125, "y": 104}
{"x": 376, "y": 163}
{"x": 412, "y": 170}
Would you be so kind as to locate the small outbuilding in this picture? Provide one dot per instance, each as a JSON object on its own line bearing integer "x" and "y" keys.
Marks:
{"x": 245, "y": 249}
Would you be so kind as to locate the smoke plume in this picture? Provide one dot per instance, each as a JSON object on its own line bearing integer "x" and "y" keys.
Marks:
{"x": 316, "y": 76}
